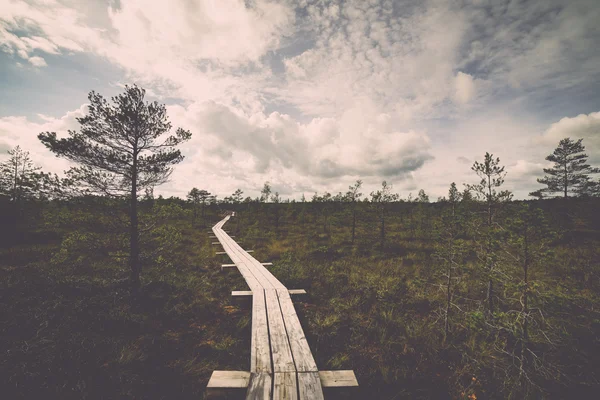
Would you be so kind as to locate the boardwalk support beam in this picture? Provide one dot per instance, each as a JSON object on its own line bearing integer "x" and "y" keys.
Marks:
{"x": 241, "y": 379}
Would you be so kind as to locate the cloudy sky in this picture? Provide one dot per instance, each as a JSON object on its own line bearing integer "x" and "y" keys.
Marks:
{"x": 312, "y": 95}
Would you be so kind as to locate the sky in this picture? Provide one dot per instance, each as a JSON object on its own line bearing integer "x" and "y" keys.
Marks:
{"x": 312, "y": 95}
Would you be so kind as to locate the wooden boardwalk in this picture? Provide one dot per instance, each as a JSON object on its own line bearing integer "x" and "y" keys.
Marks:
{"x": 281, "y": 363}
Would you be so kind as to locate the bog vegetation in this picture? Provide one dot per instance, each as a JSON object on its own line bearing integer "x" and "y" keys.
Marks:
{"x": 110, "y": 292}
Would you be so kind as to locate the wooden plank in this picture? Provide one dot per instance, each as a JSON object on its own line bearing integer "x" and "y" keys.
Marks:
{"x": 229, "y": 379}
{"x": 249, "y": 251}
{"x": 266, "y": 264}
{"x": 228, "y": 265}
{"x": 309, "y": 386}
{"x": 280, "y": 346}
{"x": 241, "y": 293}
{"x": 302, "y": 355}
{"x": 342, "y": 378}
{"x": 284, "y": 386}
{"x": 260, "y": 353}
{"x": 297, "y": 291}
{"x": 221, "y": 252}
{"x": 214, "y": 243}
{"x": 259, "y": 387}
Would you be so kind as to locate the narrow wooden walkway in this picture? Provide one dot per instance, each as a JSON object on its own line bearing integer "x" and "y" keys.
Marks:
{"x": 281, "y": 365}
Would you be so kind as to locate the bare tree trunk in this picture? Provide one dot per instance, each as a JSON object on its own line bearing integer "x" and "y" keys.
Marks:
{"x": 382, "y": 227}
{"x": 134, "y": 236}
{"x": 353, "y": 222}
{"x": 490, "y": 297}
{"x": 448, "y": 301}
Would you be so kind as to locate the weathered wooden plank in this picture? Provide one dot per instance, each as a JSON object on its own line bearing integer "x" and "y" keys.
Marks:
{"x": 303, "y": 357}
{"x": 249, "y": 251}
{"x": 221, "y": 252}
{"x": 228, "y": 265}
{"x": 266, "y": 264}
{"x": 284, "y": 386}
{"x": 280, "y": 346}
{"x": 249, "y": 292}
{"x": 309, "y": 386}
{"x": 259, "y": 387}
{"x": 297, "y": 291}
{"x": 342, "y": 378}
{"x": 260, "y": 353}
{"x": 238, "y": 293}
{"x": 229, "y": 379}
{"x": 216, "y": 243}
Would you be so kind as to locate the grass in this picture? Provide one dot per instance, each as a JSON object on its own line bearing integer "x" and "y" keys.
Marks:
{"x": 70, "y": 330}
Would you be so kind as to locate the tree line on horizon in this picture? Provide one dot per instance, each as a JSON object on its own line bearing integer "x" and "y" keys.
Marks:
{"x": 121, "y": 152}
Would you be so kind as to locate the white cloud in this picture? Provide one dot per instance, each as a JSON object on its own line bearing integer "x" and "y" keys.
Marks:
{"x": 37, "y": 61}
{"x": 464, "y": 88}
{"x": 583, "y": 126}
{"x": 21, "y": 131}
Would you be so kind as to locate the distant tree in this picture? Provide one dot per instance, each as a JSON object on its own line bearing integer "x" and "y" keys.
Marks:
{"x": 324, "y": 203}
{"x": 422, "y": 197}
{"x": 195, "y": 198}
{"x": 276, "y": 200}
{"x": 265, "y": 193}
{"x": 422, "y": 214}
{"x": 205, "y": 198}
{"x": 120, "y": 153}
{"x": 466, "y": 196}
{"x": 381, "y": 198}
{"x": 454, "y": 197}
{"x": 19, "y": 179}
{"x": 570, "y": 171}
{"x": 492, "y": 177}
{"x": 353, "y": 195}
{"x": 237, "y": 196}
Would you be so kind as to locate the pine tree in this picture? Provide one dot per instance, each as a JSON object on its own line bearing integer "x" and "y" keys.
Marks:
{"x": 492, "y": 177}
{"x": 353, "y": 195}
{"x": 19, "y": 179}
{"x": 570, "y": 171}
{"x": 195, "y": 198}
{"x": 121, "y": 150}
{"x": 381, "y": 198}
{"x": 454, "y": 197}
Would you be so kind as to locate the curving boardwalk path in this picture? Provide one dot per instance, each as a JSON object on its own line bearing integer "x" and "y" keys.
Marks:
{"x": 281, "y": 364}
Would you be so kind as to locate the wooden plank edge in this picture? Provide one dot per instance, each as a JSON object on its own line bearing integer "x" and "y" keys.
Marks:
{"x": 229, "y": 380}
{"x": 341, "y": 378}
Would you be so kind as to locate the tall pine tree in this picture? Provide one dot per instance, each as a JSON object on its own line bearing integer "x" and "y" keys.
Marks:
{"x": 121, "y": 150}
{"x": 570, "y": 171}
